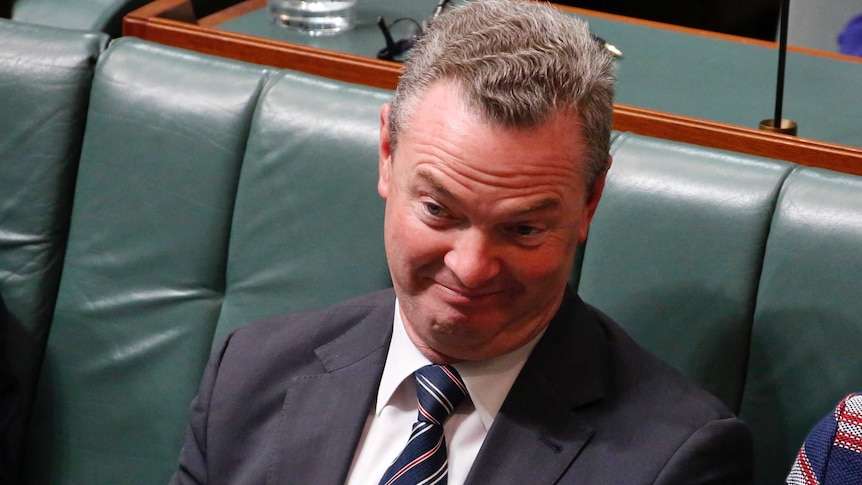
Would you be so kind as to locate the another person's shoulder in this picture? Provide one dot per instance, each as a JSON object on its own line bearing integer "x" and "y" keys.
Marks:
{"x": 830, "y": 452}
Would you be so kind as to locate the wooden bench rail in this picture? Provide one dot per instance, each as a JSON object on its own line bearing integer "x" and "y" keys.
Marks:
{"x": 158, "y": 22}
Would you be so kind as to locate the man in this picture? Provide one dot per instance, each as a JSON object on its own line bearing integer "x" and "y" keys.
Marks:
{"x": 492, "y": 161}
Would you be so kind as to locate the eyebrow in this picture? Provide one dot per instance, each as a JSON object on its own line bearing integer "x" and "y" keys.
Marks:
{"x": 542, "y": 205}
{"x": 434, "y": 183}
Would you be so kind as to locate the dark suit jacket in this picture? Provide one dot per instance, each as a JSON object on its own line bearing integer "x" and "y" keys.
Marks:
{"x": 285, "y": 401}
{"x": 9, "y": 399}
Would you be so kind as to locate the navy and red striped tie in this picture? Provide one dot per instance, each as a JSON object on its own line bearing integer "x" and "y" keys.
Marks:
{"x": 439, "y": 389}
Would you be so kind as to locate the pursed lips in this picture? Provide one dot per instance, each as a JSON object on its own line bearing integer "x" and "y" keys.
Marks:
{"x": 466, "y": 295}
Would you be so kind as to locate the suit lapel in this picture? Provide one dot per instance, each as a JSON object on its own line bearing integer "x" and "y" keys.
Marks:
{"x": 539, "y": 431}
{"x": 329, "y": 410}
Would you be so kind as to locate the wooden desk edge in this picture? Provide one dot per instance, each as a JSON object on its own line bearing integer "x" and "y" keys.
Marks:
{"x": 145, "y": 23}
{"x": 803, "y": 151}
{"x": 246, "y": 48}
{"x": 152, "y": 9}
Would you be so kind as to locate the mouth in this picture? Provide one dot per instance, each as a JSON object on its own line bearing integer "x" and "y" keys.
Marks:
{"x": 457, "y": 295}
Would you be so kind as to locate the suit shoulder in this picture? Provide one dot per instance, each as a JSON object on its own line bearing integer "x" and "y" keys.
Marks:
{"x": 639, "y": 372}
{"x": 304, "y": 330}
{"x": 669, "y": 420}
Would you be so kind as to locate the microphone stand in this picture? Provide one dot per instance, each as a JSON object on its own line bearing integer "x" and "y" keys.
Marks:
{"x": 777, "y": 124}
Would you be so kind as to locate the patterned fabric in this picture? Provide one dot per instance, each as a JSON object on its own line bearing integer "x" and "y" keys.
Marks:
{"x": 439, "y": 389}
{"x": 832, "y": 452}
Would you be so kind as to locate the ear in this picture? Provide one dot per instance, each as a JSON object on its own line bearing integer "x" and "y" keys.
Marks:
{"x": 593, "y": 199}
{"x": 384, "y": 153}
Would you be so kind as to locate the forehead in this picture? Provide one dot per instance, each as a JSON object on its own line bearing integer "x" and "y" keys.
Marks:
{"x": 445, "y": 125}
{"x": 450, "y": 148}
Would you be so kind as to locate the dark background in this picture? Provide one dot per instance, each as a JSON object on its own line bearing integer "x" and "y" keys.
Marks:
{"x": 749, "y": 18}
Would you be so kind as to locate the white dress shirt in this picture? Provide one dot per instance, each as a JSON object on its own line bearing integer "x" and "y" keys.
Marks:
{"x": 388, "y": 426}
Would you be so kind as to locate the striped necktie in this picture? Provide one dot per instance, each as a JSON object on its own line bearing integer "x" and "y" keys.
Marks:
{"x": 439, "y": 389}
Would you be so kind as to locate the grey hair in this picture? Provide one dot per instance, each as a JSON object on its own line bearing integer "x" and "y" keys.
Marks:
{"x": 517, "y": 63}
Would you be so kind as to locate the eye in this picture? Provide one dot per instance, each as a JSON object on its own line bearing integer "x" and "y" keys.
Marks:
{"x": 525, "y": 230}
{"x": 433, "y": 209}
{"x": 527, "y": 234}
{"x": 434, "y": 214}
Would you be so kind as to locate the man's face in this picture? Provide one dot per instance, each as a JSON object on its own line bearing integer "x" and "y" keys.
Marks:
{"x": 481, "y": 225}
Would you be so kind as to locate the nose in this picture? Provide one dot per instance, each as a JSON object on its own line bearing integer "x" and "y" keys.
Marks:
{"x": 473, "y": 259}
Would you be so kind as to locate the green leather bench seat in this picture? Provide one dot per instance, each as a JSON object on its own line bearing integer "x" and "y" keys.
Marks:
{"x": 308, "y": 223}
{"x": 45, "y": 77}
{"x": 674, "y": 253}
{"x": 144, "y": 276}
{"x": 211, "y": 193}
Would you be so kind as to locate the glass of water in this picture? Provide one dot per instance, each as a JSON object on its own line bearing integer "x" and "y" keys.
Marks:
{"x": 313, "y": 17}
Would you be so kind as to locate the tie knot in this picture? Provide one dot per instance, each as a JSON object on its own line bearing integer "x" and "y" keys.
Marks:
{"x": 439, "y": 389}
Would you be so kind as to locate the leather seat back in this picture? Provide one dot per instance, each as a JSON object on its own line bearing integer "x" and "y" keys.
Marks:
{"x": 211, "y": 194}
{"x": 144, "y": 276}
{"x": 308, "y": 223}
{"x": 95, "y": 15}
{"x": 674, "y": 253}
{"x": 45, "y": 77}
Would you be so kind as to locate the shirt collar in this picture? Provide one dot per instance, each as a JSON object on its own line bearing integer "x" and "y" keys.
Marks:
{"x": 488, "y": 381}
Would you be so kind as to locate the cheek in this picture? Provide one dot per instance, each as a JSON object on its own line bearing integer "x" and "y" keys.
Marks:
{"x": 538, "y": 267}
{"x": 410, "y": 241}
{"x": 550, "y": 264}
